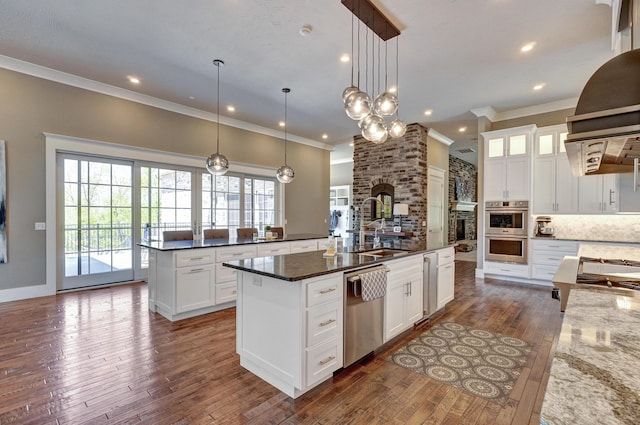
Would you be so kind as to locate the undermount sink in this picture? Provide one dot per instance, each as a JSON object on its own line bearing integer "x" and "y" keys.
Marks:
{"x": 384, "y": 252}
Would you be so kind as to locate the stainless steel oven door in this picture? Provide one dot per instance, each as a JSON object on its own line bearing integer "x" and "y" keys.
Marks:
{"x": 506, "y": 249}
{"x": 506, "y": 222}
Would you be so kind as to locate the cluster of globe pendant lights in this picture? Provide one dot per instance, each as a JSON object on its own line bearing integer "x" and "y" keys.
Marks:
{"x": 218, "y": 164}
{"x": 370, "y": 114}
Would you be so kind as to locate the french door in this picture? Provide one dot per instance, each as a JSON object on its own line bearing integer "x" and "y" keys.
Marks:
{"x": 96, "y": 243}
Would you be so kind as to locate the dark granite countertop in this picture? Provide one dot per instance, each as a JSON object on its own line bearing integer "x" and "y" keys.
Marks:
{"x": 213, "y": 243}
{"x": 305, "y": 265}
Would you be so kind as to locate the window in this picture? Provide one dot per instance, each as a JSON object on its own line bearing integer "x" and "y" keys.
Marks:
{"x": 235, "y": 200}
{"x": 165, "y": 201}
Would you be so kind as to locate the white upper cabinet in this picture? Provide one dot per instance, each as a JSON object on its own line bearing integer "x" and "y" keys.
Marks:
{"x": 555, "y": 189}
{"x": 507, "y": 163}
{"x": 598, "y": 194}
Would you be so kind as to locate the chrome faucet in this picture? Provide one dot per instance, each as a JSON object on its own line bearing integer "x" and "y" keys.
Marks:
{"x": 381, "y": 227}
{"x": 362, "y": 225}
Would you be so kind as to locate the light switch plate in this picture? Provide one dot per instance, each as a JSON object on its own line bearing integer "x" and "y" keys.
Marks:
{"x": 41, "y": 225}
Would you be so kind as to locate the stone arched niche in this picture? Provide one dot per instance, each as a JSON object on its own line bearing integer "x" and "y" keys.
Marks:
{"x": 385, "y": 193}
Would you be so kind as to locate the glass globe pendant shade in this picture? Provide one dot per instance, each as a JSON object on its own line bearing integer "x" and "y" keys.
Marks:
{"x": 375, "y": 129}
{"x": 386, "y": 104}
{"x": 358, "y": 105}
{"x": 397, "y": 128}
{"x": 364, "y": 121}
{"x": 348, "y": 91}
{"x": 217, "y": 164}
{"x": 285, "y": 174}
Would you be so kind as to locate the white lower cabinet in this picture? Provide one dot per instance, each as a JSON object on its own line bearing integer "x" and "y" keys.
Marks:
{"x": 306, "y": 246}
{"x": 445, "y": 277}
{"x": 184, "y": 283}
{"x": 547, "y": 256}
{"x": 290, "y": 333}
{"x": 195, "y": 288}
{"x": 403, "y": 301}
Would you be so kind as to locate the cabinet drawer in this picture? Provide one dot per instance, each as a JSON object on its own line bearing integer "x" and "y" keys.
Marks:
{"x": 235, "y": 253}
{"x": 225, "y": 274}
{"x": 506, "y": 269}
{"x": 276, "y": 248}
{"x": 446, "y": 256}
{"x": 323, "y": 322}
{"x": 543, "y": 272}
{"x": 194, "y": 257}
{"x": 324, "y": 291}
{"x": 322, "y": 360}
{"x": 568, "y": 247}
{"x": 549, "y": 258}
{"x": 304, "y": 246}
{"x": 226, "y": 292}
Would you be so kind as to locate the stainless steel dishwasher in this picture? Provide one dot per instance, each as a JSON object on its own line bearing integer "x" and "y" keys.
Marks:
{"x": 363, "y": 320}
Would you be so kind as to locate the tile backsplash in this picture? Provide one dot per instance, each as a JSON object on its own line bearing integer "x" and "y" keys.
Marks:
{"x": 607, "y": 228}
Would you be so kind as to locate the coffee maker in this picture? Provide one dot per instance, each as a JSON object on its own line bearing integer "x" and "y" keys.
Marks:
{"x": 543, "y": 226}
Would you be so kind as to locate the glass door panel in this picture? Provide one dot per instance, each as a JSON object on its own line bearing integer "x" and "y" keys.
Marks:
{"x": 97, "y": 221}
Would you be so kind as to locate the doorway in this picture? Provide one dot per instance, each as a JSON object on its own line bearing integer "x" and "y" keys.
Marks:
{"x": 435, "y": 207}
{"x": 96, "y": 201}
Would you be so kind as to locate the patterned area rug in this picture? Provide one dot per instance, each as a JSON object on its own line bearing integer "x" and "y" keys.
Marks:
{"x": 483, "y": 363}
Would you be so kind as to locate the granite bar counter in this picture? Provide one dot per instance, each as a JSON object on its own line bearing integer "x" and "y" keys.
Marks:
{"x": 214, "y": 243}
{"x": 294, "y": 267}
{"x": 595, "y": 378}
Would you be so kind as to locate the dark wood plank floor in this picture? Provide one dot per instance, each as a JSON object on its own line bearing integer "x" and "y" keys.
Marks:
{"x": 99, "y": 357}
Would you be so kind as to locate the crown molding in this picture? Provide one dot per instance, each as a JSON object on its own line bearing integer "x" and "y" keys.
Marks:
{"x": 50, "y": 74}
{"x": 494, "y": 116}
{"x": 439, "y": 137}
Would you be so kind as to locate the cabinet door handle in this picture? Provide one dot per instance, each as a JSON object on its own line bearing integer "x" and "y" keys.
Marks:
{"x": 237, "y": 254}
{"x": 196, "y": 258}
{"x": 611, "y": 192}
{"x": 327, "y": 360}
{"x": 327, "y": 290}
{"x": 196, "y": 270}
{"x": 327, "y": 322}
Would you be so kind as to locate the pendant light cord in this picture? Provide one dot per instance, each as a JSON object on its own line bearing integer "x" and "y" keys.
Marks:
{"x": 218, "y": 64}
{"x": 286, "y": 91}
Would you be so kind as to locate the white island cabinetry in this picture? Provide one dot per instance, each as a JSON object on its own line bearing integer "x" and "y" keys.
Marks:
{"x": 403, "y": 301}
{"x": 290, "y": 333}
{"x": 446, "y": 277}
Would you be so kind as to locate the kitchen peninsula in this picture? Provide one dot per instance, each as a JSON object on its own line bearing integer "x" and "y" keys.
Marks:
{"x": 186, "y": 278}
{"x": 291, "y": 309}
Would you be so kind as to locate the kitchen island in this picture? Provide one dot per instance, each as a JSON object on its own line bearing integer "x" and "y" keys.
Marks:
{"x": 594, "y": 377}
{"x": 186, "y": 278}
{"x": 290, "y": 309}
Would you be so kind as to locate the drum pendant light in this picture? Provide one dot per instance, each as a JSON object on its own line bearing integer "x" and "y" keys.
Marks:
{"x": 285, "y": 173}
{"x": 218, "y": 164}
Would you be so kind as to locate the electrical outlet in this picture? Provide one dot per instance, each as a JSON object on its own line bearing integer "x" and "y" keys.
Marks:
{"x": 257, "y": 281}
{"x": 41, "y": 225}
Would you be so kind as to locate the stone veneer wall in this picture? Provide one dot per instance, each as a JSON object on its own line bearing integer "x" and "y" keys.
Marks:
{"x": 401, "y": 163}
{"x": 468, "y": 172}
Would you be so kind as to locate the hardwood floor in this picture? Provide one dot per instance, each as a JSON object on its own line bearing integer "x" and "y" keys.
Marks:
{"x": 100, "y": 356}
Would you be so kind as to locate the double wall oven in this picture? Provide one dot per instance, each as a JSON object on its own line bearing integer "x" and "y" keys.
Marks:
{"x": 506, "y": 231}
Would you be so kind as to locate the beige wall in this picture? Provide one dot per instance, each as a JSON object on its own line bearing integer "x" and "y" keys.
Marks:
{"x": 31, "y": 106}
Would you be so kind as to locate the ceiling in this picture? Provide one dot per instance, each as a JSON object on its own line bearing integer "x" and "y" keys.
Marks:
{"x": 454, "y": 55}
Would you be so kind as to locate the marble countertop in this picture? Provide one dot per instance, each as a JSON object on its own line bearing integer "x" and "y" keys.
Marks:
{"x": 212, "y": 243}
{"x": 595, "y": 378}
{"x": 305, "y": 265}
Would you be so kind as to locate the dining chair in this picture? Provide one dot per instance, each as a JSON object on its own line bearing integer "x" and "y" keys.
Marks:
{"x": 246, "y": 232}
{"x": 177, "y": 235}
{"x": 216, "y": 233}
{"x": 278, "y": 232}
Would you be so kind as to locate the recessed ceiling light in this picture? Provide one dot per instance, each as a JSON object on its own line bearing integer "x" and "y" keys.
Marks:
{"x": 462, "y": 129}
{"x": 231, "y": 108}
{"x": 192, "y": 98}
{"x": 133, "y": 80}
{"x": 325, "y": 136}
{"x": 527, "y": 47}
{"x": 539, "y": 86}
{"x": 281, "y": 123}
{"x": 345, "y": 57}
{"x": 428, "y": 112}
{"x": 351, "y": 144}
{"x": 305, "y": 30}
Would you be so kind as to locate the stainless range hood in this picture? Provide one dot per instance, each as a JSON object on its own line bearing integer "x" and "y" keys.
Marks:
{"x": 604, "y": 133}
